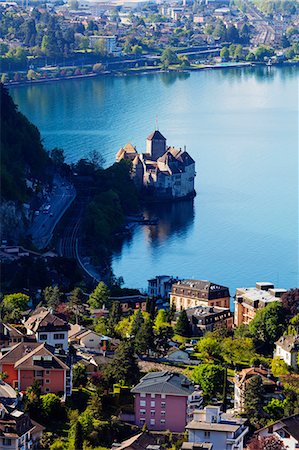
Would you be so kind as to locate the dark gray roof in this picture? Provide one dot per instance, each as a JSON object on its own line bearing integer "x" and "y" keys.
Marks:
{"x": 164, "y": 383}
{"x": 156, "y": 135}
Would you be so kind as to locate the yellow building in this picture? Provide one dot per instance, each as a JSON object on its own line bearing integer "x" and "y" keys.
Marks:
{"x": 190, "y": 293}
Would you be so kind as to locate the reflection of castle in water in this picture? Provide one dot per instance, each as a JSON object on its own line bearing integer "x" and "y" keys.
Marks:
{"x": 173, "y": 219}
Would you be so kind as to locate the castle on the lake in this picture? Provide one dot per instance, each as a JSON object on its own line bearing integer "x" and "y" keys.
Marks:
{"x": 164, "y": 172}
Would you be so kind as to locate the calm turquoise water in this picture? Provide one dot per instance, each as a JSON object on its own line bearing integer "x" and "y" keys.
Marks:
{"x": 241, "y": 127}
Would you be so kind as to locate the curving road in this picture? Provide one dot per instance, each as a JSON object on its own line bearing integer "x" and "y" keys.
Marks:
{"x": 43, "y": 224}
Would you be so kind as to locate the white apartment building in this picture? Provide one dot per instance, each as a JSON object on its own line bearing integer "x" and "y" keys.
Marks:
{"x": 222, "y": 430}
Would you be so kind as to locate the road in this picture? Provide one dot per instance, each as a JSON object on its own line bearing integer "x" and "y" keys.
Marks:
{"x": 43, "y": 224}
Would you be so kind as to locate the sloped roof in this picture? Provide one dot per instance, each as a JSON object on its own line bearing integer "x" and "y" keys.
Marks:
{"x": 289, "y": 424}
{"x": 18, "y": 351}
{"x": 44, "y": 319}
{"x": 156, "y": 135}
{"x": 27, "y": 361}
{"x": 138, "y": 442}
{"x": 164, "y": 383}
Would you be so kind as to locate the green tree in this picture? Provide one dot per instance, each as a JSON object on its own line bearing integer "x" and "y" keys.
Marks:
{"x": 114, "y": 318}
{"x": 78, "y": 436}
{"x": 279, "y": 367}
{"x": 84, "y": 43}
{"x": 144, "y": 338}
{"x": 17, "y": 301}
{"x": 124, "y": 366}
{"x": 79, "y": 375}
{"x": 268, "y": 325}
{"x": 169, "y": 57}
{"x": 100, "y": 47}
{"x": 208, "y": 348}
{"x": 236, "y": 351}
{"x": 136, "y": 50}
{"x": 162, "y": 337}
{"x": 182, "y": 326}
{"x": 51, "y": 406}
{"x": 253, "y": 397}
{"x": 58, "y": 444}
{"x": 275, "y": 408}
{"x": 161, "y": 319}
{"x": 101, "y": 325}
{"x": 210, "y": 377}
{"x": 100, "y": 296}
{"x": 224, "y": 53}
{"x": 53, "y": 296}
{"x": 138, "y": 320}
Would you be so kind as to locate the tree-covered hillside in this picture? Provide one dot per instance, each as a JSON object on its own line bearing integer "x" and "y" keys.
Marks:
{"x": 22, "y": 152}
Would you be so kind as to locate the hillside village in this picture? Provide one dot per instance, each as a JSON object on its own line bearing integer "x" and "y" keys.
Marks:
{"x": 100, "y": 369}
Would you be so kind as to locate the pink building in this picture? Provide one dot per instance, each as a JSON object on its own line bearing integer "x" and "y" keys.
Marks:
{"x": 165, "y": 401}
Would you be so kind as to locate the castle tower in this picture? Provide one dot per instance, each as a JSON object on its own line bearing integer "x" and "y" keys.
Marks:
{"x": 156, "y": 145}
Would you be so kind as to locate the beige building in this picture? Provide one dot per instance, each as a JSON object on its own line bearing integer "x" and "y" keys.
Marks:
{"x": 249, "y": 300}
{"x": 191, "y": 293}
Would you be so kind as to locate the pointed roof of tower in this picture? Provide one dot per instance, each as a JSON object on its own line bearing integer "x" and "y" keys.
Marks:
{"x": 156, "y": 135}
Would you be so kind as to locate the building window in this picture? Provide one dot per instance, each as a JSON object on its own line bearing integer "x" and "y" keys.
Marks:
{"x": 47, "y": 381}
{"x": 163, "y": 404}
{"x": 207, "y": 434}
{"x": 152, "y": 421}
{"x": 163, "y": 413}
{"x": 38, "y": 373}
{"x": 142, "y": 412}
{"x": 47, "y": 372}
{"x": 43, "y": 337}
{"x": 163, "y": 396}
{"x": 142, "y": 403}
{"x": 162, "y": 421}
{"x": 153, "y": 413}
{"x": 47, "y": 390}
{"x": 6, "y": 441}
{"x": 153, "y": 404}
{"x": 58, "y": 346}
{"x": 142, "y": 395}
{"x": 153, "y": 395}
{"x": 58, "y": 336}
{"x": 142, "y": 421}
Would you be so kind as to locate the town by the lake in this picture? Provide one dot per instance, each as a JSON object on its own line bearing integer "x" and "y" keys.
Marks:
{"x": 149, "y": 295}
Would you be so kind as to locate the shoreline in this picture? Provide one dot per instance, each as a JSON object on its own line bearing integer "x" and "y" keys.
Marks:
{"x": 145, "y": 71}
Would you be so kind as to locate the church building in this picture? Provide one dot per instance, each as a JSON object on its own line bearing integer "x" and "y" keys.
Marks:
{"x": 165, "y": 172}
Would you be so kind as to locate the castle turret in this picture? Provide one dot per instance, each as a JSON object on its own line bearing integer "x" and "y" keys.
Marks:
{"x": 156, "y": 145}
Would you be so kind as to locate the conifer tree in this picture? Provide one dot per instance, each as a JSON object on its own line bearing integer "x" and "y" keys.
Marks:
{"x": 182, "y": 326}
{"x": 138, "y": 320}
{"x": 78, "y": 436}
{"x": 144, "y": 339}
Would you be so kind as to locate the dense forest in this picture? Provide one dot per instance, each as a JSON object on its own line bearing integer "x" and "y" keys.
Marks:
{"x": 22, "y": 152}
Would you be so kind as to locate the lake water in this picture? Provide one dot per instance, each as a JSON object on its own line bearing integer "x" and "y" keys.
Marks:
{"x": 240, "y": 126}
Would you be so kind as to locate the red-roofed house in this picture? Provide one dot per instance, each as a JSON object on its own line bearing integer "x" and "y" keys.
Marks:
{"x": 27, "y": 362}
{"x": 48, "y": 327}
